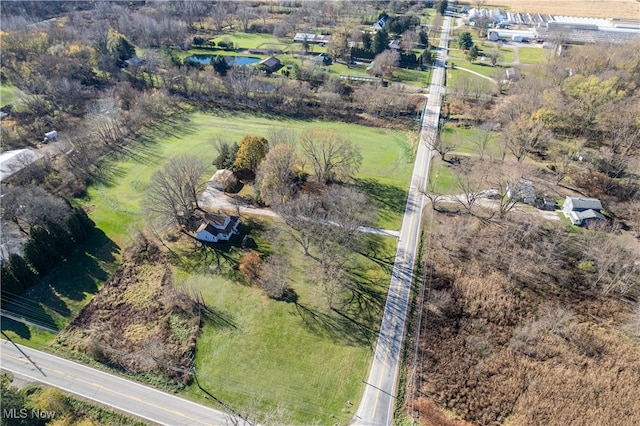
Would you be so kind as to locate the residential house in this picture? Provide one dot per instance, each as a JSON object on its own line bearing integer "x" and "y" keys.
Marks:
{"x": 524, "y": 192}
{"x": 381, "y": 23}
{"x": 581, "y": 211}
{"x": 217, "y": 227}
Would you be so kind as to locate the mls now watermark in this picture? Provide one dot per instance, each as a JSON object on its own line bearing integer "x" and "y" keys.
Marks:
{"x": 24, "y": 413}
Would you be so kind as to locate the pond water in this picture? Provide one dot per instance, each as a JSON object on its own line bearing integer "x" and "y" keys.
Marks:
{"x": 240, "y": 60}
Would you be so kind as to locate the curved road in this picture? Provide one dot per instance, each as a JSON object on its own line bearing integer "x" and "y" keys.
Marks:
{"x": 132, "y": 398}
{"x": 378, "y": 401}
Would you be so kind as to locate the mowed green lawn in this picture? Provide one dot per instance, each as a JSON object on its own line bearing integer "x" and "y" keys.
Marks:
{"x": 257, "y": 352}
{"x": 532, "y": 55}
{"x": 264, "y": 355}
{"x": 386, "y": 167}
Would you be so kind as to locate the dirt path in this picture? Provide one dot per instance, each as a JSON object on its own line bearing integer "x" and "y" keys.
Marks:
{"x": 213, "y": 199}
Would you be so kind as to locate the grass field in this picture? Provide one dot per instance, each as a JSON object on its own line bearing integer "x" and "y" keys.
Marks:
{"x": 454, "y": 74}
{"x": 254, "y": 353}
{"x": 265, "y": 354}
{"x": 8, "y": 94}
{"x": 531, "y": 55}
{"x": 272, "y": 352}
{"x": 465, "y": 139}
{"x": 629, "y": 9}
{"x": 247, "y": 41}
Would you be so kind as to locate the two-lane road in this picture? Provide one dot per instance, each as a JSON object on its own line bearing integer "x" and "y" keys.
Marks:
{"x": 133, "y": 398}
{"x": 378, "y": 401}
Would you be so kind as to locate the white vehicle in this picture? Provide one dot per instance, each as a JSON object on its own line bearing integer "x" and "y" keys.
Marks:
{"x": 50, "y": 136}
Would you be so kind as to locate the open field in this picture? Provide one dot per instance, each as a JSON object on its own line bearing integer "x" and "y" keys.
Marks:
{"x": 387, "y": 160}
{"x": 629, "y": 9}
{"x": 263, "y": 354}
{"x": 532, "y": 55}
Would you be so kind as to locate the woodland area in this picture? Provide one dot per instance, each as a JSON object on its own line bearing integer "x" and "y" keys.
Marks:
{"x": 525, "y": 320}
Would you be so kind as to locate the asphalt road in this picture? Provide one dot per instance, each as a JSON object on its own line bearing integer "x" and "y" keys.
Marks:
{"x": 378, "y": 401}
{"x": 124, "y": 395}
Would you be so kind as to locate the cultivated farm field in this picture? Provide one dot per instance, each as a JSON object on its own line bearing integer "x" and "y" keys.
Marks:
{"x": 623, "y": 9}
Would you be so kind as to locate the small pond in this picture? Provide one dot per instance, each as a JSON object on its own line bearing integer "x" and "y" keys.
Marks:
{"x": 240, "y": 60}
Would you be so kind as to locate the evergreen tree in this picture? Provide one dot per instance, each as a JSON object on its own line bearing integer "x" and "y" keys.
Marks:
{"x": 39, "y": 252}
{"x": 424, "y": 38}
{"x": 442, "y": 7}
{"x": 220, "y": 65}
{"x": 10, "y": 284}
{"x": 473, "y": 53}
{"x": 119, "y": 48}
{"x": 61, "y": 240}
{"x": 381, "y": 41}
{"x": 22, "y": 272}
{"x": 366, "y": 40}
{"x": 226, "y": 155}
{"x": 79, "y": 225}
{"x": 465, "y": 41}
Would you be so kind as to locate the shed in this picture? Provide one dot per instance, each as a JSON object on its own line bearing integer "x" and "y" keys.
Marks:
{"x": 11, "y": 162}
{"x": 271, "y": 63}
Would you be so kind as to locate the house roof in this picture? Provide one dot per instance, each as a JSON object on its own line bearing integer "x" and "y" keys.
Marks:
{"x": 270, "y": 62}
{"x": 312, "y": 38}
{"x": 590, "y": 214}
{"x": 579, "y": 203}
{"x": 13, "y": 161}
{"x": 215, "y": 224}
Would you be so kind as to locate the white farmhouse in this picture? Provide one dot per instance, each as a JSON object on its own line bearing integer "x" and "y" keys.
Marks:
{"x": 217, "y": 227}
{"x": 580, "y": 210}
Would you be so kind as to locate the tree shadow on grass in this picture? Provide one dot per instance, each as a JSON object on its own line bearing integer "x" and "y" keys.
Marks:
{"x": 338, "y": 327}
{"x": 373, "y": 248}
{"x": 389, "y": 199}
{"x": 20, "y": 329}
{"x": 85, "y": 269}
{"x": 33, "y": 312}
{"x": 218, "y": 319}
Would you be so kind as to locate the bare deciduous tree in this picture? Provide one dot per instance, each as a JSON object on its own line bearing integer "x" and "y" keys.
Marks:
{"x": 332, "y": 156}
{"x": 471, "y": 182}
{"x": 303, "y": 216}
{"x": 524, "y": 136}
{"x": 274, "y": 276}
{"x": 173, "y": 191}
{"x": 349, "y": 209}
{"x": 443, "y": 145}
{"x": 481, "y": 140}
{"x": 276, "y": 175}
{"x": 29, "y": 206}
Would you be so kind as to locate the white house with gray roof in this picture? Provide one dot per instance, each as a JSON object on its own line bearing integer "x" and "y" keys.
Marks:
{"x": 582, "y": 210}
